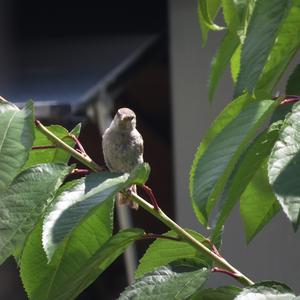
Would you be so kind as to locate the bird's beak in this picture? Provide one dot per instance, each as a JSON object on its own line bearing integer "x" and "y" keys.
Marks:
{"x": 124, "y": 118}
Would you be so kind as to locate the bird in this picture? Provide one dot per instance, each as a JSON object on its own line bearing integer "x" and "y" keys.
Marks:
{"x": 123, "y": 147}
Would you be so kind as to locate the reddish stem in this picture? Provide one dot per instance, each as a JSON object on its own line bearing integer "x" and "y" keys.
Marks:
{"x": 289, "y": 100}
{"x": 214, "y": 248}
{"x": 152, "y": 197}
{"x": 219, "y": 270}
{"x": 159, "y": 236}
{"x": 43, "y": 147}
{"x": 81, "y": 171}
{"x": 73, "y": 137}
{"x": 37, "y": 123}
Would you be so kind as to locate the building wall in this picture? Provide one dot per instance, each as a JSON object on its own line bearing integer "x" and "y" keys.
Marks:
{"x": 274, "y": 253}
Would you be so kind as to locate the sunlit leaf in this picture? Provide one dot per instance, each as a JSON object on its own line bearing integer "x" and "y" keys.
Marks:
{"x": 23, "y": 203}
{"x": 16, "y": 138}
{"x": 77, "y": 263}
{"x": 266, "y": 291}
{"x": 163, "y": 251}
{"x": 211, "y": 171}
{"x": 245, "y": 170}
{"x": 224, "y": 118}
{"x": 285, "y": 46}
{"x": 207, "y": 11}
{"x": 264, "y": 25}
{"x": 284, "y": 166}
{"x": 78, "y": 201}
{"x": 178, "y": 280}
{"x": 51, "y": 155}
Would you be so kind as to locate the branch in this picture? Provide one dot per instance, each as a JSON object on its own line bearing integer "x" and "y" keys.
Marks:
{"x": 155, "y": 211}
{"x": 159, "y": 236}
{"x": 84, "y": 159}
{"x": 220, "y": 261}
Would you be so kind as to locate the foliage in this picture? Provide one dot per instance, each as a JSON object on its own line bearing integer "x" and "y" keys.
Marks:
{"x": 61, "y": 230}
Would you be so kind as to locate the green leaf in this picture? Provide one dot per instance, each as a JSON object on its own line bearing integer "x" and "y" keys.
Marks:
{"x": 163, "y": 251}
{"x": 258, "y": 204}
{"x": 77, "y": 263}
{"x": 43, "y": 279}
{"x": 234, "y": 14}
{"x": 178, "y": 280}
{"x": 16, "y": 138}
{"x": 77, "y": 202}
{"x": 267, "y": 291}
{"x": 211, "y": 170}
{"x": 222, "y": 120}
{"x": 23, "y": 203}
{"x": 5, "y": 106}
{"x": 249, "y": 163}
{"x": 224, "y": 53}
{"x": 207, "y": 11}
{"x": 283, "y": 50}
{"x": 293, "y": 84}
{"x": 235, "y": 63}
{"x": 261, "y": 34}
{"x": 51, "y": 155}
{"x": 284, "y": 170}
{"x": 281, "y": 112}
{"x": 221, "y": 293}
{"x": 102, "y": 259}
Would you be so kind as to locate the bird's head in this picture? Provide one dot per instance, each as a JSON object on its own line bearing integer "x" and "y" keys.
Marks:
{"x": 125, "y": 119}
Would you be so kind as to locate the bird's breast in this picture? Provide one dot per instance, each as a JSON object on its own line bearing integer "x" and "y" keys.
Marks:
{"x": 122, "y": 151}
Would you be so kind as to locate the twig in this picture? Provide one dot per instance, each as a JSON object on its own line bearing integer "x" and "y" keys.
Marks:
{"x": 158, "y": 236}
{"x": 220, "y": 261}
{"x": 149, "y": 191}
{"x": 157, "y": 213}
{"x": 43, "y": 147}
{"x": 288, "y": 99}
{"x": 85, "y": 159}
{"x": 78, "y": 143}
{"x": 219, "y": 270}
{"x": 81, "y": 171}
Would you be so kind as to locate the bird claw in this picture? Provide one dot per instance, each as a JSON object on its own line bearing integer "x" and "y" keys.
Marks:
{"x": 124, "y": 197}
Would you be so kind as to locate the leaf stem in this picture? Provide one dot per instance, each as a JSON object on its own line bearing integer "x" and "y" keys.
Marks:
{"x": 155, "y": 211}
{"x": 43, "y": 147}
{"x": 220, "y": 261}
{"x": 158, "y": 236}
{"x": 83, "y": 158}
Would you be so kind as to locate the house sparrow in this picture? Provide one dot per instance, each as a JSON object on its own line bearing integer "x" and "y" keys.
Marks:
{"x": 123, "y": 146}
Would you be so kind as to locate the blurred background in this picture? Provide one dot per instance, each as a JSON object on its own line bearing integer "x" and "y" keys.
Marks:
{"x": 79, "y": 62}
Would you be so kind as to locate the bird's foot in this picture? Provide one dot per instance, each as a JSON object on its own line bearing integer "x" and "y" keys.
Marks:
{"x": 124, "y": 197}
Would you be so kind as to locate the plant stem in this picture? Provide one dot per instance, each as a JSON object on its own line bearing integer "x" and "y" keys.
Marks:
{"x": 43, "y": 147}
{"x": 220, "y": 261}
{"x": 155, "y": 211}
{"x": 159, "y": 236}
{"x": 83, "y": 158}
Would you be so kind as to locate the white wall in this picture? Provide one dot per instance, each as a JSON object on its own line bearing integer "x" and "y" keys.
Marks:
{"x": 274, "y": 253}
